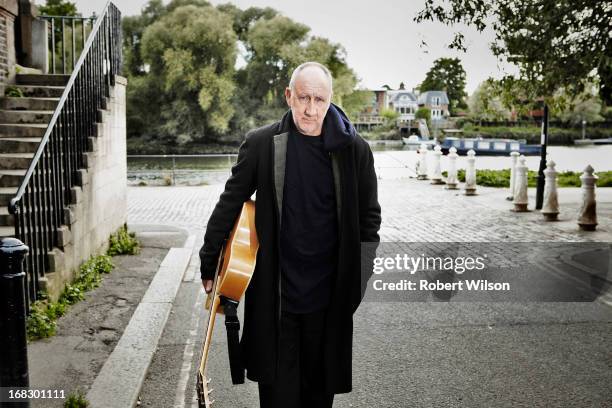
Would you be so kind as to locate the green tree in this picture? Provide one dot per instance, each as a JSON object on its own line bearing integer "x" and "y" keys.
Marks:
{"x": 59, "y": 8}
{"x": 447, "y": 74}
{"x": 191, "y": 52}
{"x": 355, "y": 102}
{"x": 486, "y": 103}
{"x": 424, "y": 113}
{"x": 555, "y": 43}
{"x": 587, "y": 106}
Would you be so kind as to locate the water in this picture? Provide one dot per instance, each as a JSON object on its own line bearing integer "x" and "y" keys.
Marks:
{"x": 391, "y": 163}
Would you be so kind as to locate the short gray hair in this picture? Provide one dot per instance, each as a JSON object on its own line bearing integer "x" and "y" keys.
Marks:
{"x": 306, "y": 65}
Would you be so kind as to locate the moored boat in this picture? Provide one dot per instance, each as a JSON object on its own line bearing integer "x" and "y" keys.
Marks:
{"x": 489, "y": 147}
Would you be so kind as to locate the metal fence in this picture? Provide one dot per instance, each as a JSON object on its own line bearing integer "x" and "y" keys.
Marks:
{"x": 38, "y": 206}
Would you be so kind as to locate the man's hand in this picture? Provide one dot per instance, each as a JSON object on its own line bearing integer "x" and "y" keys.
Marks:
{"x": 207, "y": 283}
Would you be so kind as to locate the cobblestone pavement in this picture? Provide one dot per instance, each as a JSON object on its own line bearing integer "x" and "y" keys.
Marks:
{"x": 412, "y": 210}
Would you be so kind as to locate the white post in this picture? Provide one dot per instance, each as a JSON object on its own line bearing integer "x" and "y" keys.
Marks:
{"x": 551, "y": 202}
{"x": 587, "y": 216}
{"x": 451, "y": 179}
{"x": 513, "y": 158}
{"x": 422, "y": 174}
{"x": 520, "y": 199}
{"x": 436, "y": 177}
{"x": 470, "y": 174}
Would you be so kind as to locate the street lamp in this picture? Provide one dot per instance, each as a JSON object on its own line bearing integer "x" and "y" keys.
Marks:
{"x": 541, "y": 179}
{"x": 583, "y": 128}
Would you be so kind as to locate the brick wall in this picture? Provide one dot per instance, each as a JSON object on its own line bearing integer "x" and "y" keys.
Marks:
{"x": 8, "y": 12}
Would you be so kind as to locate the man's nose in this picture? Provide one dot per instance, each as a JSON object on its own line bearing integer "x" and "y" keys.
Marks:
{"x": 311, "y": 108}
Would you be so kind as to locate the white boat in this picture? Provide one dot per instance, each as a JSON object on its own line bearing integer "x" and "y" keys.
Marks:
{"x": 416, "y": 141}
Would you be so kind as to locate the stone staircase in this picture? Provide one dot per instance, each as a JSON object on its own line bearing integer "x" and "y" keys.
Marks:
{"x": 23, "y": 122}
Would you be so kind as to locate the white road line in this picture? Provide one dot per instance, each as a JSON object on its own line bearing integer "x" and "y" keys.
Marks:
{"x": 188, "y": 352}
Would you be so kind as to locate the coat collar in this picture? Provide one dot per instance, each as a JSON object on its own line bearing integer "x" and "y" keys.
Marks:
{"x": 338, "y": 132}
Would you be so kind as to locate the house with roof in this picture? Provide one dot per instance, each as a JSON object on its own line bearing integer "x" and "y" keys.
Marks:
{"x": 437, "y": 102}
{"x": 403, "y": 102}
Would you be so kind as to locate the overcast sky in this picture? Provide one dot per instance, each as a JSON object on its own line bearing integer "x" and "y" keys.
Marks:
{"x": 380, "y": 38}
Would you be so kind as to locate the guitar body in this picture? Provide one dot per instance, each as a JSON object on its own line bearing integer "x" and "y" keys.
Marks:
{"x": 234, "y": 271}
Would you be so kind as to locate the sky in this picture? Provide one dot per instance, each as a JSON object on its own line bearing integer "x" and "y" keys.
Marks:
{"x": 381, "y": 39}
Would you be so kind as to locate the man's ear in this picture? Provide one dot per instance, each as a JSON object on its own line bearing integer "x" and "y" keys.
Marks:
{"x": 288, "y": 95}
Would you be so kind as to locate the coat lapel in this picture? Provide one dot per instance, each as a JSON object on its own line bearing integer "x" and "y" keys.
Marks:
{"x": 280, "y": 157}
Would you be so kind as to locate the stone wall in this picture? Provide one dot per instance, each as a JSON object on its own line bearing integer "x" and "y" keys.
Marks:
{"x": 100, "y": 207}
{"x": 8, "y": 11}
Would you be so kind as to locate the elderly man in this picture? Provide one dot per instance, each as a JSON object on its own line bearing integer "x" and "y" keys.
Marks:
{"x": 316, "y": 202}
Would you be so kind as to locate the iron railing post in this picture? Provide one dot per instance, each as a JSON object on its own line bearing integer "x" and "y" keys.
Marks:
{"x": 13, "y": 338}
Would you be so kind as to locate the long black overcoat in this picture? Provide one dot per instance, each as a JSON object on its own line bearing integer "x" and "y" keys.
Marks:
{"x": 260, "y": 168}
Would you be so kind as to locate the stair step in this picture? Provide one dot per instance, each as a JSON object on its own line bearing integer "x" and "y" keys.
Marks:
{"x": 25, "y": 116}
{"x": 6, "y": 219}
{"x": 28, "y": 103}
{"x": 41, "y": 90}
{"x": 6, "y": 194}
{"x": 7, "y": 231}
{"x": 21, "y": 129}
{"x": 19, "y": 144}
{"x": 42, "y": 79}
{"x": 10, "y": 161}
{"x": 12, "y": 177}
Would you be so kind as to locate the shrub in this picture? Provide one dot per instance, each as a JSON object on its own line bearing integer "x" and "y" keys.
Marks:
{"x": 41, "y": 322}
{"x": 123, "y": 242}
{"x": 76, "y": 400}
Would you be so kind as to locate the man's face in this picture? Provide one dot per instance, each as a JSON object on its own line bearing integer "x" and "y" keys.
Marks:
{"x": 309, "y": 100}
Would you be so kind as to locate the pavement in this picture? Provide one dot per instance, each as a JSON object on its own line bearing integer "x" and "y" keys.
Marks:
{"x": 471, "y": 354}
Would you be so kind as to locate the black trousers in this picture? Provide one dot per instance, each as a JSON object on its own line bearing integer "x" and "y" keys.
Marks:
{"x": 300, "y": 383}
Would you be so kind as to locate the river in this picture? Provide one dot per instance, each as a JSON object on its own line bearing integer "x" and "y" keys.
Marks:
{"x": 391, "y": 162}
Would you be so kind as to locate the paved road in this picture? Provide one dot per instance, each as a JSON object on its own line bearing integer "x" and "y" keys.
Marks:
{"x": 416, "y": 354}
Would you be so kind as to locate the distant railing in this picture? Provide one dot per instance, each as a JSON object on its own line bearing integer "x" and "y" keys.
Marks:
{"x": 46, "y": 189}
{"x": 57, "y": 26}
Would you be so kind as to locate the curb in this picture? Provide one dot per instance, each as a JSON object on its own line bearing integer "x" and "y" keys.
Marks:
{"x": 120, "y": 380}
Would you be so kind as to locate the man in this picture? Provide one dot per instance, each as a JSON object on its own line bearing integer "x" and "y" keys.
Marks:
{"x": 316, "y": 202}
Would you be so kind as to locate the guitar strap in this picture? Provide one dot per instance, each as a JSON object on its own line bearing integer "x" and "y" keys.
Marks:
{"x": 232, "y": 326}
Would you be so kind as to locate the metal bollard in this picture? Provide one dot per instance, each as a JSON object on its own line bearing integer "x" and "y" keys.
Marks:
{"x": 470, "y": 174}
{"x": 513, "y": 157}
{"x": 587, "y": 216}
{"x": 451, "y": 178}
{"x": 13, "y": 339}
{"x": 521, "y": 199}
{"x": 551, "y": 202}
{"x": 436, "y": 177}
{"x": 422, "y": 174}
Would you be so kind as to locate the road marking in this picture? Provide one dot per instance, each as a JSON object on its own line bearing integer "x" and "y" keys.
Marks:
{"x": 188, "y": 353}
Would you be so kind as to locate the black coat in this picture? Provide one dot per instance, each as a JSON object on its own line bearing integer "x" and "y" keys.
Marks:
{"x": 260, "y": 167}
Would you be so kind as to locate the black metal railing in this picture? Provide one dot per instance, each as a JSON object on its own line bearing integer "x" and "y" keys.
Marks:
{"x": 62, "y": 27}
{"x": 46, "y": 189}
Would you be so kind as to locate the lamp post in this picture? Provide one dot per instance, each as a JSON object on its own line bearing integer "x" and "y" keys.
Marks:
{"x": 583, "y": 129}
{"x": 543, "y": 143}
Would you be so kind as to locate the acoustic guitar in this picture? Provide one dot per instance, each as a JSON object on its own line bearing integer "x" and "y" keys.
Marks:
{"x": 234, "y": 271}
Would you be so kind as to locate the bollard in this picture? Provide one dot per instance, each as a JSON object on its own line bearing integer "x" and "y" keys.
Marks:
{"x": 422, "y": 175}
{"x": 451, "y": 179}
{"x": 520, "y": 199}
{"x": 587, "y": 217}
{"x": 513, "y": 158}
{"x": 470, "y": 174}
{"x": 551, "y": 202}
{"x": 436, "y": 177}
{"x": 13, "y": 340}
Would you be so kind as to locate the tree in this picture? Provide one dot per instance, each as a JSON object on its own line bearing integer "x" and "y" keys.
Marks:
{"x": 355, "y": 102}
{"x": 59, "y": 8}
{"x": 191, "y": 53}
{"x": 447, "y": 74}
{"x": 555, "y": 43}
{"x": 486, "y": 103}
{"x": 423, "y": 113}
{"x": 587, "y": 106}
